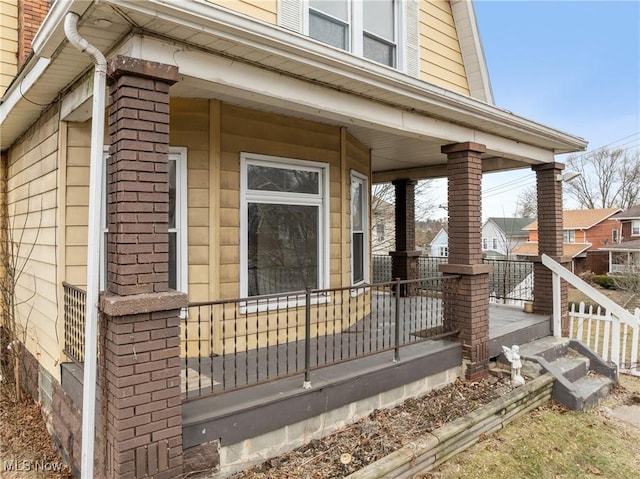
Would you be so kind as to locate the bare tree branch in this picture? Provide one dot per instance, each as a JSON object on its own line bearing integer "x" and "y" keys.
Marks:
{"x": 609, "y": 178}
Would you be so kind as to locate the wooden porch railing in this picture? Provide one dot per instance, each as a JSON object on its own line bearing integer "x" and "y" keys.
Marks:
{"x": 611, "y": 330}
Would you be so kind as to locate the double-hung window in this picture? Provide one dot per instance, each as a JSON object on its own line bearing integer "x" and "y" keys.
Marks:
{"x": 177, "y": 221}
{"x": 283, "y": 222}
{"x": 329, "y": 22}
{"x": 635, "y": 227}
{"x": 359, "y": 228}
{"x": 365, "y": 28}
{"x": 569, "y": 236}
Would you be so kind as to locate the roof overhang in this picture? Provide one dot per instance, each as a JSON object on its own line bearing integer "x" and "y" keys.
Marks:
{"x": 224, "y": 55}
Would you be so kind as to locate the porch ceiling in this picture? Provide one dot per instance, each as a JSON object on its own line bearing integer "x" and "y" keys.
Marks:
{"x": 236, "y": 59}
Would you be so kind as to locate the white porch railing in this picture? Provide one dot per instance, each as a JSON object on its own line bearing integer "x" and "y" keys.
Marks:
{"x": 610, "y": 330}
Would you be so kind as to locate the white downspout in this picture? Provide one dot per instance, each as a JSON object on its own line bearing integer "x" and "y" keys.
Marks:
{"x": 93, "y": 244}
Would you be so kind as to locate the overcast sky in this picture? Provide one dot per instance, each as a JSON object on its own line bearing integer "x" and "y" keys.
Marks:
{"x": 571, "y": 65}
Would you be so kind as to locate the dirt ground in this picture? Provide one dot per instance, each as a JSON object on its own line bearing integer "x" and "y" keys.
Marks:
{"x": 380, "y": 433}
{"x": 26, "y": 450}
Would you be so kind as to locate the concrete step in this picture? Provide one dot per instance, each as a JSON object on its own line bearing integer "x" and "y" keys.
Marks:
{"x": 549, "y": 348}
{"x": 572, "y": 368}
{"x": 589, "y": 390}
{"x": 582, "y": 377}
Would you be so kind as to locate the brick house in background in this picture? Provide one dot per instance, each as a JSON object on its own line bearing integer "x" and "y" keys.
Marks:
{"x": 234, "y": 129}
{"x": 584, "y": 233}
{"x": 624, "y": 257}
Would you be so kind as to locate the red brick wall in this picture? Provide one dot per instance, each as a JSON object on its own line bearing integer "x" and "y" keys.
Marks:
{"x": 31, "y": 13}
{"x": 600, "y": 235}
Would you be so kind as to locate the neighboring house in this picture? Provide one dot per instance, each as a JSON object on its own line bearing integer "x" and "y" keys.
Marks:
{"x": 584, "y": 233}
{"x": 440, "y": 244}
{"x": 501, "y": 236}
{"x": 624, "y": 254}
{"x": 241, "y": 142}
{"x": 629, "y": 224}
{"x": 383, "y": 231}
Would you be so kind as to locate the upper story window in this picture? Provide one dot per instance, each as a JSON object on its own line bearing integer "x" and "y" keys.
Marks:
{"x": 485, "y": 244}
{"x": 614, "y": 235}
{"x": 494, "y": 244}
{"x": 635, "y": 227}
{"x": 329, "y": 22}
{"x": 569, "y": 236}
{"x": 365, "y": 28}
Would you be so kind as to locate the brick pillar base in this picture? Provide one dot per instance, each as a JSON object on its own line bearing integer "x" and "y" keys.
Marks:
{"x": 142, "y": 374}
{"x": 405, "y": 258}
{"x": 466, "y": 300}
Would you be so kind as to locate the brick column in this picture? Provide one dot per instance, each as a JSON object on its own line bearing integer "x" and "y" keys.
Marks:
{"x": 549, "y": 188}
{"x": 466, "y": 300}
{"x": 142, "y": 339}
{"x": 405, "y": 258}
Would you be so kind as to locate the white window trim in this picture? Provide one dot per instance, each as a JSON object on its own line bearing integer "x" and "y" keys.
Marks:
{"x": 179, "y": 155}
{"x": 365, "y": 230}
{"x": 277, "y": 198}
{"x": 182, "y": 244}
{"x": 635, "y": 223}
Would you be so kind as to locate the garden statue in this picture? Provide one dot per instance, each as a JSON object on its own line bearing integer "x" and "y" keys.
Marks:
{"x": 513, "y": 356}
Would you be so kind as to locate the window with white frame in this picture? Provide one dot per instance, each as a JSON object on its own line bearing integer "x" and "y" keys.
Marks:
{"x": 485, "y": 244}
{"x": 359, "y": 228}
{"x": 443, "y": 251}
{"x": 365, "y": 28}
{"x": 614, "y": 235}
{"x": 569, "y": 236}
{"x": 178, "y": 266}
{"x": 494, "y": 244}
{"x": 635, "y": 227}
{"x": 283, "y": 224}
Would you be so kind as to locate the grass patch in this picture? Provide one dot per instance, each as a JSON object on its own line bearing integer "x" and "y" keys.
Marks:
{"x": 551, "y": 442}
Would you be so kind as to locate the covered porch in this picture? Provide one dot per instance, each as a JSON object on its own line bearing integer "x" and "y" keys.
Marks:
{"x": 205, "y": 97}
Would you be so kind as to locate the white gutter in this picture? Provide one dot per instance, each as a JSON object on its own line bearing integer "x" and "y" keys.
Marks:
{"x": 93, "y": 244}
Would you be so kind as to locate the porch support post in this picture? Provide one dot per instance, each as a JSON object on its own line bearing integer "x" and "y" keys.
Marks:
{"x": 466, "y": 300}
{"x": 549, "y": 188}
{"x": 405, "y": 258}
{"x": 141, "y": 342}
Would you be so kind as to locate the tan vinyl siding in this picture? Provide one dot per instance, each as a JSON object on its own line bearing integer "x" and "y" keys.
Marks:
{"x": 8, "y": 42}
{"x": 440, "y": 55}
{"x": 189, "y": 127}
{"x": 243, "y": 130}
{"x": 77, "y": 200}
{"x": 32, "y": 208}
{"x": 265, "y": 10}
